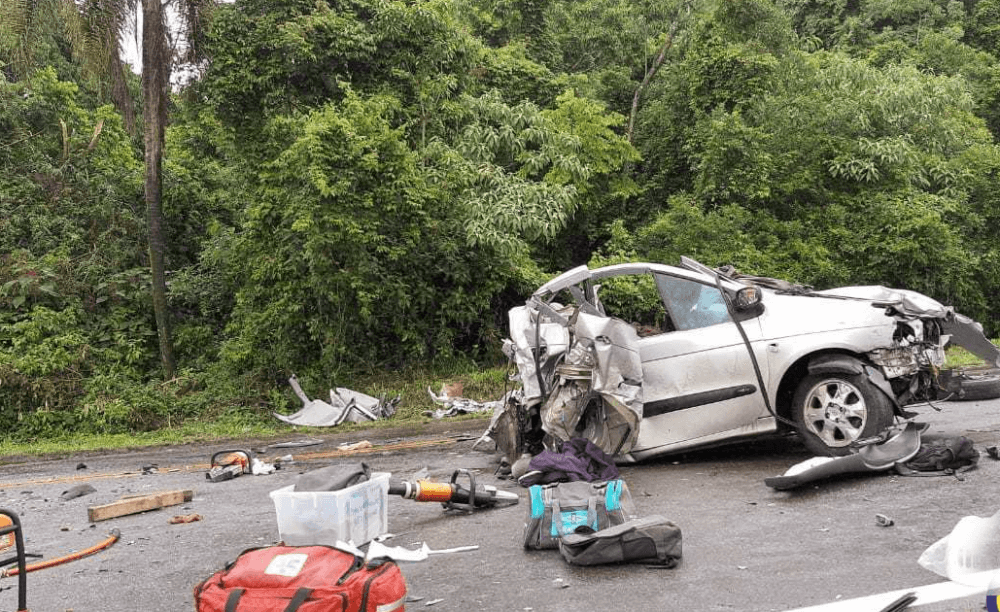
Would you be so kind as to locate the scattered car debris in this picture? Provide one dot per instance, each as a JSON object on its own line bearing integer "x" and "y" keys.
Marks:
{"x": 971, "y": 383}
{"x": 184, "y": 518}
{"x": 882, "y": 456}
{"x": 81, "y": 466}
{"x": 258, "y": 467}
{"x": 228, "y": 464}
{"x": 347, "y": 446}
{"x": 138, "y": 503}
{"x": 296, "y": 443}
{"x": 345, "y": 405}
{"x": 841, "y": 363}
{"x": 77, "y": 491}
{"x": 433, "y": 602}
{"x": 454, "y": 406}
{"x": 884, "y": 521}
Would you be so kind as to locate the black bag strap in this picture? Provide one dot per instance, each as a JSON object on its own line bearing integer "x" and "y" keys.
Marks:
{"x": 300, "y": 596}
{"x": 234, "y": 599}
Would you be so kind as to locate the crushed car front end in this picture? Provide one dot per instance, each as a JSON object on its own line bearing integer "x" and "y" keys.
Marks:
{"x": 835, "y": 365}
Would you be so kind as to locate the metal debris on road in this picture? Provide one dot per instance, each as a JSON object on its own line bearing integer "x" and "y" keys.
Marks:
{"x": 454, "y": 406}
{"x": 295, "y": 443}
{"x": 77, "y": 491}
{"x": 344, "y": 405}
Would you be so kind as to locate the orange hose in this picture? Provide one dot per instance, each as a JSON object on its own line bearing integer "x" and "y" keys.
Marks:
{"x": 115, "y": 534}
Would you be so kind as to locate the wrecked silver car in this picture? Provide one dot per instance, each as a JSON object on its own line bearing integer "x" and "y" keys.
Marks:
{"x": 711, "y": 356}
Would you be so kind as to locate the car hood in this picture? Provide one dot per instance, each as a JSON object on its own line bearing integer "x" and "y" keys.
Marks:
{"x": 907, "y": 302}
{"x": 795, "y": 315}
{"x": 870, "y": 306}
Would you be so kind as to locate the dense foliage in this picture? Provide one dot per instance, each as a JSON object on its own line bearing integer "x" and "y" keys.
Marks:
{"x": 355, "y": 185}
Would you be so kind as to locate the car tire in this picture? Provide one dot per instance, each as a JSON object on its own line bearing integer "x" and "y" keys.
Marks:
{"x": 833, "y": 410}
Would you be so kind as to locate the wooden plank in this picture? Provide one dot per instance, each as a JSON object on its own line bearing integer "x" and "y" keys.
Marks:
{"x": 138, "y": 503}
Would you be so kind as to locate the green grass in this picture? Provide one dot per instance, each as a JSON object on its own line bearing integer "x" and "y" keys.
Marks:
{"x": 958, "y": 357}
{"x": 241, "y": 422}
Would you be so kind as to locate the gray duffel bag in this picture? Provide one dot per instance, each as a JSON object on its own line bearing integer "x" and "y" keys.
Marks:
{"x": 652, "y": 540}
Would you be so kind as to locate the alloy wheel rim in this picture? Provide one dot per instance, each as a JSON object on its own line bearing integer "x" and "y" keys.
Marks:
{"x": 835, "y": 411}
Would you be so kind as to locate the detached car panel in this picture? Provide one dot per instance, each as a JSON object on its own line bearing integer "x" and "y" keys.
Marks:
{"x": 718, "y": 356}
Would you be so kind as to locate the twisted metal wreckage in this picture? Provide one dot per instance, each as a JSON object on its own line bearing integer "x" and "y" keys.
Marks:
{"x": 856, "y": 354}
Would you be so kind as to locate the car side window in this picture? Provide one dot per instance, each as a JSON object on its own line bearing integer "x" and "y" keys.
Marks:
{"x": 635, "y": 299}
{"x": 692, "y": 305}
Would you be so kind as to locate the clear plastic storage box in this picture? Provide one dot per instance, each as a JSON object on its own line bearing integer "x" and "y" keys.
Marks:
{"x": 356, "y": 514}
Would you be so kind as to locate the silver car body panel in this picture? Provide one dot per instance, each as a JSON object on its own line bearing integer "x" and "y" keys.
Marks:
{"x": 697, "y": 385}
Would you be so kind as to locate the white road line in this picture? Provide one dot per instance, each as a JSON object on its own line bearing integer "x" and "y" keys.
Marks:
{"x": 927, "y": 594}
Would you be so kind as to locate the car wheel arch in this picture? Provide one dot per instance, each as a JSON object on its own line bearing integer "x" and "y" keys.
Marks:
{"x": 823, "y": 362}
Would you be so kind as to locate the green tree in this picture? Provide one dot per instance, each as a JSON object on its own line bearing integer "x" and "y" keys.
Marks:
{"x": 96, "y": 31}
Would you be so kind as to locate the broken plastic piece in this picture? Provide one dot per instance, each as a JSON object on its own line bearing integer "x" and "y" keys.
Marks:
{"x": 899, "y": 448}
{"x": 884, "y": 521}
{"x": 970, "y": 554}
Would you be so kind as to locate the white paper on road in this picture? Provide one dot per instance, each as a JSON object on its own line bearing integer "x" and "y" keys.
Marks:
{"x": 399, "y": 553}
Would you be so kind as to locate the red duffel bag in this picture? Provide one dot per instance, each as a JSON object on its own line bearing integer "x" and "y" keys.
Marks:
{"x": 302, "y": 579}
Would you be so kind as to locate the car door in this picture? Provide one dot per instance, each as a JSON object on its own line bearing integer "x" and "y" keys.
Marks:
{"x": 698, "y": 378}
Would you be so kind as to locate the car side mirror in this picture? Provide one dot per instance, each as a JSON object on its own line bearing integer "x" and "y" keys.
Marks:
{"x": 747, "y": 298}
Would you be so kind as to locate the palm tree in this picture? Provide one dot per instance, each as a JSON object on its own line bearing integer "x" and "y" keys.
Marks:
{"x": 95, "y": 30}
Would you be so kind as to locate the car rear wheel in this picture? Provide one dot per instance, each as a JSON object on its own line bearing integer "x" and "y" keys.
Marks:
{"x": 834, "y": 410}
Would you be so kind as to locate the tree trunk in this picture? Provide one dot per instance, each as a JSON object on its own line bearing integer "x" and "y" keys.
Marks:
{"x": 155, "y": 77}
{"x": 651, "y": 72}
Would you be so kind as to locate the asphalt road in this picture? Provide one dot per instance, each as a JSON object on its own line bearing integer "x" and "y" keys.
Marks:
{"x": 746, "y": 546}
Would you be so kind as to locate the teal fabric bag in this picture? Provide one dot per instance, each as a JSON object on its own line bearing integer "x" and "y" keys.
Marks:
{"x": 651, "y": 540}
{"x": 561, "y": 508}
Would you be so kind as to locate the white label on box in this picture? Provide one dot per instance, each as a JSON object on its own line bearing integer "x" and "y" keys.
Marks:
{"x": 286, "y": 565}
